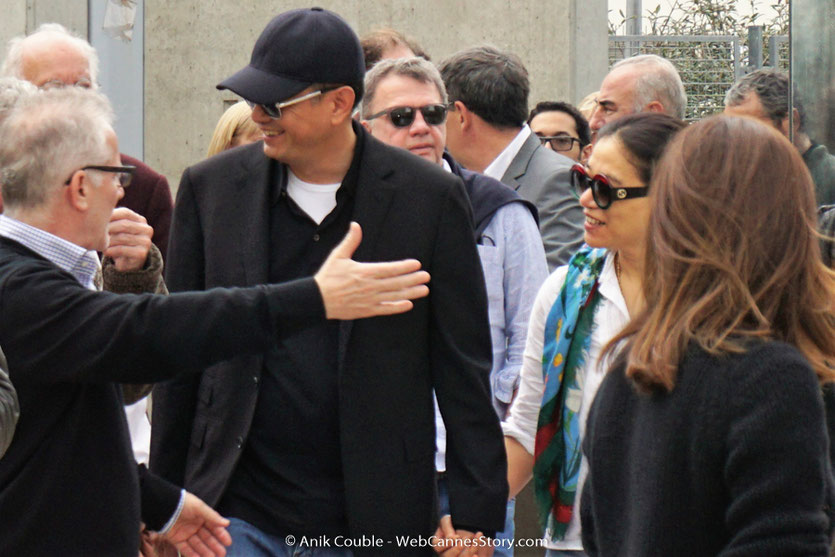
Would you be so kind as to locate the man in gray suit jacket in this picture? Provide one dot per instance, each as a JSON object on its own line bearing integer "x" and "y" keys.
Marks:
{"x": 486, "y": 132}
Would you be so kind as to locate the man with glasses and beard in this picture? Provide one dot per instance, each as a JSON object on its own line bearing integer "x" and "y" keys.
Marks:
{"x": 330, "y": 435}
{"x": 562, "y": 128}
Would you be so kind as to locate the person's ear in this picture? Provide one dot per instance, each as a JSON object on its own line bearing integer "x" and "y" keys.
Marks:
{"x": 366, "y": 124}
{"x": 342, "y": 101}
{"x": 77, "y": 192}
{"x": 585, "y": 153}
{"x": 464, "y": 115}
{"x": 795, "y": 127}
{"x": 654, "y": 106}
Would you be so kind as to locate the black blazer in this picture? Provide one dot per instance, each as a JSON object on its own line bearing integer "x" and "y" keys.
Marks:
{"x": 388, "y": 366}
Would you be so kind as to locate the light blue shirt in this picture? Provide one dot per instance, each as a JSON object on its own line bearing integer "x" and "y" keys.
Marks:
{"x": 513, "y": 260}
{"x": 81, "y": 263}
{"x": 514, "y": 264}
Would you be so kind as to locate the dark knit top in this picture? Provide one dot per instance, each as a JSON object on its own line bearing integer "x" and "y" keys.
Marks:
{"x": 733, "y": 461}
{"x": 69, "y": 484}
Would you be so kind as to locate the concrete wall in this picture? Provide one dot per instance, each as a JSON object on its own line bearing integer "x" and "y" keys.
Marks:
{"x": 813, "y": 65}
{"x": 13, "y": 22}
{"x": 191, "y": 45}
{"x": 19, "y": 17}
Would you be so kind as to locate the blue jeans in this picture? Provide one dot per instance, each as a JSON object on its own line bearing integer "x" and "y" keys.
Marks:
{"x": 503, "y": 550}
{"x": 249, "y": 541}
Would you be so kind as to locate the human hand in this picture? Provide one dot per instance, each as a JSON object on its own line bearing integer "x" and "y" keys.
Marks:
{"x": 460, "y": 543}
{"x": 352, "y": 290}
{"x": 198, "y": 532}
{"x": 130, "y": 239}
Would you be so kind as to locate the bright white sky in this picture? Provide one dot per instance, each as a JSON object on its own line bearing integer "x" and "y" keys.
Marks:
{"x": 743, "y": 7}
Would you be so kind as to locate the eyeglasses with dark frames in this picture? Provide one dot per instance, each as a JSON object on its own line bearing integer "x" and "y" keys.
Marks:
{"x": 274, "y": 110}
{"x": 83, "y": 82}
{"x": 601, "y": 190}
{"x": 404, "y": 116}
{"x": 125, "y": 173}
{"x": 559, "y": 142}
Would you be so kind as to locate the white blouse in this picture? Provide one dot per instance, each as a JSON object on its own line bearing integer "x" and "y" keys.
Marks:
{"x": 610, "y": 318}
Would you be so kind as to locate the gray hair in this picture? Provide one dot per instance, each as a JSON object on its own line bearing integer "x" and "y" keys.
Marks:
{"x": 491, "y": 83}
{"x": 11, "y": 90}
{"x": 47, "y": 137}
{"x": 657, "y": 80}
{"x": 772, "y": 88}
{"x": 13, "y": 63}
{"x": 417, "y": 68}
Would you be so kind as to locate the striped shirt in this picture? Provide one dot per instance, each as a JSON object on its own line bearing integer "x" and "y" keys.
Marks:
{"x": 82, "y": 264}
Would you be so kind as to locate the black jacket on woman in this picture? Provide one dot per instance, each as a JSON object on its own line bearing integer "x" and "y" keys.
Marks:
{"x": 734, "y": 461}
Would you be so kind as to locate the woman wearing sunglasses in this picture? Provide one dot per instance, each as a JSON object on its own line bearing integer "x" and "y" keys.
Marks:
{"x": 578, "y": 309}
{"x": 708, "y": 437}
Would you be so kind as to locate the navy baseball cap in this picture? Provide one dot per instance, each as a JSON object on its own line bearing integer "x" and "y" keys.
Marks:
{"x": 297, "y": 49}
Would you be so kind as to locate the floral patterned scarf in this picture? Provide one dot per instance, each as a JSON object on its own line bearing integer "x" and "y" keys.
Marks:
{"x": 557, "y": 453}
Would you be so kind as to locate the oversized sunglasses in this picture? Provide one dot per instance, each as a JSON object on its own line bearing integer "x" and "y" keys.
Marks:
{"x": 601, "y": 190}
{"x": 274, "y": 110}
{"x": 403, "y": 116}
{"x": 125, "y": 173}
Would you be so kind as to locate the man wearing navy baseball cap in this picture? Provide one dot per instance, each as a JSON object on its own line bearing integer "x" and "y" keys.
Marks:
{"x": 327, "y": 440}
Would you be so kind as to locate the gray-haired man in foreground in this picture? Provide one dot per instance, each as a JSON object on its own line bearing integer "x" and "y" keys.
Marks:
{"x": 68, "y": 344}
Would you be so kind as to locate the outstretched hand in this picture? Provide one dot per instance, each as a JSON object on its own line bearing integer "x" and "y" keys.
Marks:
{"x": 352, "y": 290}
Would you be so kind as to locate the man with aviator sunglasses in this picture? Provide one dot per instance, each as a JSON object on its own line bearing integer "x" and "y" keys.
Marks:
{"x": 510, "y": 248}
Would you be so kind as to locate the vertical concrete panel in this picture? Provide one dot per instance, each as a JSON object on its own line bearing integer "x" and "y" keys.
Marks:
{"x": 72, "y": 14}
{"x": 813, "y": 66}
{"x": 589, "y": 47}
{"x": 192, "y": 45}
{"x": 121, "y": 77}
{"x": 19, "y": 17}
{"x": 12, "y": 22}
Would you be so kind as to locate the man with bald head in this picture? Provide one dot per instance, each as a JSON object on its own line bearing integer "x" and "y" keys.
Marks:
{"x": 645, "y": 83}
{"x": 53, "y": 57}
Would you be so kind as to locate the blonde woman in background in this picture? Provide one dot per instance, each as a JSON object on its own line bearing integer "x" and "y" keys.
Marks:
{"x": 234, "y": 128}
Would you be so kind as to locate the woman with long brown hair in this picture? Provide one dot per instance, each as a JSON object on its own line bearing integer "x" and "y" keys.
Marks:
{"x": 708, "y": 436}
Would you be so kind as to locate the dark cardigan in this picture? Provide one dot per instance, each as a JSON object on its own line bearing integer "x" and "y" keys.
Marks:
{"x": 68, "y": 483}
{"x": 733, "y": 461}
